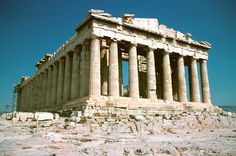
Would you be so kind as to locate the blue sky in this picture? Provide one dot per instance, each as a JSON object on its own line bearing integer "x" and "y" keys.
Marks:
{"x": 30, "y": 28}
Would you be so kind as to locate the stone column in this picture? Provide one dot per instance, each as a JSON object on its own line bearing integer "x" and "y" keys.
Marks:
{"x": 206, "y": 97}
{"x": 113, "y": 70}
{"x": 133, "y": 72}
{"x": 167, "y": 82}
{"x": 27, "y": 104}
{"x": 151, "y": 76}
{"x": 22, "y": 99}
{"x": 54, "y": 84}
{"x": 95, "y": 77}
{"x": 67, "y": 79}
{"x": 194, "y": 94}
{"x": 104, "y": 67}
{"x": 75, "y": 74}
{"x": 49, "y": 84}
{"x": 84, "y": 70}
{"x": 120, "y": 74}
{"x": 44, "y": 90}
{"x": 181, "y": 79}
{"x": 60, "y": 84}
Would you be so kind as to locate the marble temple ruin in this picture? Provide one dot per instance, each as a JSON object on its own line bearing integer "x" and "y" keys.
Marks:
{"x": 87, "y": 71}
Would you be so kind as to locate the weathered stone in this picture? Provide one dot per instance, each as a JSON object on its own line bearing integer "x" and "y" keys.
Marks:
{"x": 43, "y": 116}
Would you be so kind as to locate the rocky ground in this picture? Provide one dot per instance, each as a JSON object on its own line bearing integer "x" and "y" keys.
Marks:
{"x": 198, "y": 133}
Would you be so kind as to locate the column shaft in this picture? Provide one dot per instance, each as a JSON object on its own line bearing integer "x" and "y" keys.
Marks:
{"x": 49, "y": 84}
{"x": 84, "y": 70}
{"x": 167, "y": 82}
{"x": 194, "y": 94}
{"x": 75, "y": 75}
{"x": 181, "y": 79}
{"x": 151, "y": 75}
{"x": 95, "y": 77}
{"x": 60, "y": 84}
{"x": 113, "y": 70}
{"x": 67, "y": 79}
{"x": 104, "y": 70}
{"x": 54, "y": 84}
{"x": 206, "y": 96}
{"x": 133, "y": 72}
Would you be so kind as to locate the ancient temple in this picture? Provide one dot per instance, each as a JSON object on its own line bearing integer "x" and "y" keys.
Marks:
{"x": 87, "y": 70}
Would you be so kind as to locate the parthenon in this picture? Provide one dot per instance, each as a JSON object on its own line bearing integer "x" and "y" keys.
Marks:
{"x": 88, "y": 69}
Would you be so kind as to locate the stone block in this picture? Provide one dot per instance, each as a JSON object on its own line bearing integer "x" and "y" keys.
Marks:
{"x": 43, "y": 116}
{"x": 24, "y": 116}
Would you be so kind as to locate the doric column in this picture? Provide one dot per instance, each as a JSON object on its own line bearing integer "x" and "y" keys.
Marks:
{"x": 27, "y": 104}
{"x": 44, "y": 90}
{"x": 49, "y": 84}
{"x": 120, "y": 73}
{"x": 95, "y": 77}
{"x": 75, "y": 74}
{"x": 181, "y": 79}
{"x": 54, "y": 84}
{"x": 167, "y": 81}
{"x": 22, "y": 98}
{"x": 133, "y": 72}
{"x": 84, "y": 70}
{"x": 104, "y": 67}
{"x": 60, "y": 84}
{"x": 151, "y": 76}
{"x": 194, "y": 93}
{"x": 206, "y": 96}
{"x": 67, "y": 78}
{"x": 113, "y": 70}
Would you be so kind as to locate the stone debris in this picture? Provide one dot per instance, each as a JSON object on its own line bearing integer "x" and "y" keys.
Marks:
{"x": 41, "y": 116}
{"x": 187, "y": 133}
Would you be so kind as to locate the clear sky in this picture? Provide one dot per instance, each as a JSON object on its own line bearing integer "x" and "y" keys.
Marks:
{"x": 30, "y": 28}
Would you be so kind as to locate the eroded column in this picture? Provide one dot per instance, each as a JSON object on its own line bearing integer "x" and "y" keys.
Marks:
{"x": 206, "y": 97}
{"x": 133, "y": 72}
{"x": 75, "y": 74}
{"x": 67, "y": 79}
{"x": 84, "y": 70}
{"x": 151, "y": 76}
{"x": 194, "y": 93}
{"x": 104, "y": 67}
{"x": 95, "y": 77}
{"x": 49, "y": 84}
{"x": 60, "y": 84}
{"x": 54, "y": 84}
{"x": 167, "y": 82}
{"x": 181, "y": 79}
{"x": 113, "y": 70}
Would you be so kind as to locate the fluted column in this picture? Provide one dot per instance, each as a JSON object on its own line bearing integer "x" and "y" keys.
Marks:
{"x": 120, "y": 73}
{"x": 75, "y": 74}
{"x": 54, "y": 84}
{"x": 84, "y": 70}
{"x": 49, "y": 84}
{"x": 44, "y": 90}
{"x": 181, "y": 80}
{"x": 67, "y": 79}
{"x": 113, "y": 70}
{"x": 104, "y": 67}
{"x": 206, "y": 96}
{"x": 194, "y": 93}
{"x": 167, "y": 81}
{"x": 133, "y": 72}
{"x": 22, "y": 98}
{"x": 151, "y": 76}
{"x": 60, "y": 84}
{"x": 95, "y": 77}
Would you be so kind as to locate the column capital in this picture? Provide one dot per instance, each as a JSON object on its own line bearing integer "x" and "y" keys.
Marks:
{"x": 94, "y": 37}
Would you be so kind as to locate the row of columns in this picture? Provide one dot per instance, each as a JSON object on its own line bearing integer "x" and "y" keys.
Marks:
{"x": 95, "y": 82}
{"x": 78, "y": 74}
